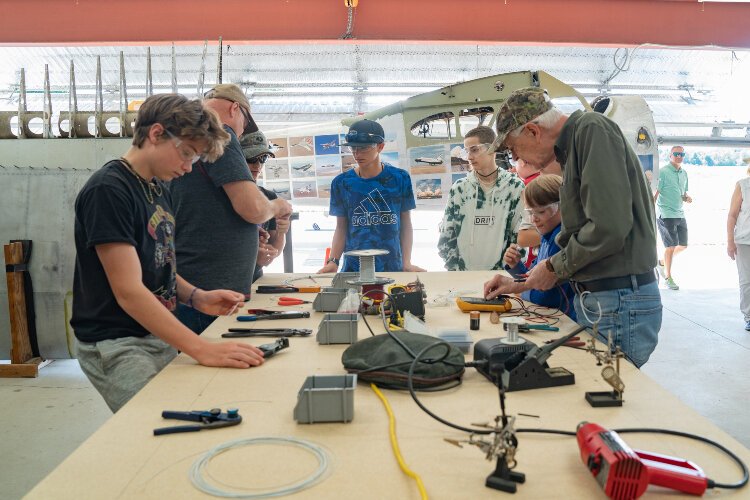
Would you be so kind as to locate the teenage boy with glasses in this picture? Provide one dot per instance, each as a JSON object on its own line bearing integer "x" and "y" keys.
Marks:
{"x": 218, "y": 206}
{"x": 670, "y": 194}
{"x": 272, "y": 232}
{"x": 126, "y": 283}
{"x": 483, "y": 211}
{"x": 371, "y": 203}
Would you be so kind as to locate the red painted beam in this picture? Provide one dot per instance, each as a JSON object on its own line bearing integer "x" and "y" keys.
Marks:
{"x": 569, "y": 22}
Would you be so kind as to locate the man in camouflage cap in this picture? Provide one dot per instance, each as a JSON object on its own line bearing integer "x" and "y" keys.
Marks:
{"x": 521, "y": 107}
{"x": 608, "y": 238}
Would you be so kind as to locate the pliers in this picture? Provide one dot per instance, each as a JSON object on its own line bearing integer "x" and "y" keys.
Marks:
{"x": 528, "y": 327}
{"x": 266, "y": 332}
{"x": 275, "y": 315}
{"x": 211, "y": 419}
{"x": 287, "y": 289}
{"x": 291, "y": 301}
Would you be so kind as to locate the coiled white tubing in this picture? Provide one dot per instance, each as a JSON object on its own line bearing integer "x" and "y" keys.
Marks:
{"x": 199, "y": 467}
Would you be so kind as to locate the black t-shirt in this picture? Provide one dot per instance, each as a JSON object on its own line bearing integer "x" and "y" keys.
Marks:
{"x": 113, "y": 207}
{"x": 269, "y": 225}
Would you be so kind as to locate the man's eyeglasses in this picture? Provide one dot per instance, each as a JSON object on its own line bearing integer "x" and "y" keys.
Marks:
{"x": 259, "y": 159}
{"x": 186, "y": 152}
{"x": 245, "y": 114}
{"x": 475, "y": 150}
{"x": 544, "y": 212}
{"x": 679, "y": 155}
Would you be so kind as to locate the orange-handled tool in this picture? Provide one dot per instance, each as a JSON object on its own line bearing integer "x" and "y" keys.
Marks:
{"x": 291, "y": 301}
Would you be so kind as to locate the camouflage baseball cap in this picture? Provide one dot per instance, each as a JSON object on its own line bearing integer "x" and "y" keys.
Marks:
{"x": 520, "y": 108}
{"x": 255, "y": 144}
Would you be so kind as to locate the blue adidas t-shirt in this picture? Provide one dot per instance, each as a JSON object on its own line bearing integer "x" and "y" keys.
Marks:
{"x": 372, "y": 208}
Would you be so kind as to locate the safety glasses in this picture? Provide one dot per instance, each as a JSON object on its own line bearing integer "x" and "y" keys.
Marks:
{"x": 679, "y": 155}
{"x": 477, "y": 149}
{"x": 544, "y": 212}
{"x": 185, "y": 151}
{"x": 355, "y": 149}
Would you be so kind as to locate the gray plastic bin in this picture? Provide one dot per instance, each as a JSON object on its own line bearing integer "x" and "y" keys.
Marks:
{"x": 326, "y": 398}
{"x": 338, "y": 328}
{"x": 340, "y": 281}
{"x": 329, "y": 299}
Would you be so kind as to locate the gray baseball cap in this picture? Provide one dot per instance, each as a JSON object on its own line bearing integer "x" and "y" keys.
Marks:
{"x": 255, "y": 144}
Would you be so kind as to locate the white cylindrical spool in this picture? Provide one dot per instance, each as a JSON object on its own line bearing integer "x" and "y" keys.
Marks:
{"x": 366, "y": 268}
{"x": 511, "y": 324}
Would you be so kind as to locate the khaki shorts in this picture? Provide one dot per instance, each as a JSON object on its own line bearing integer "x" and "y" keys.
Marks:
{"x": 119, "y": 368}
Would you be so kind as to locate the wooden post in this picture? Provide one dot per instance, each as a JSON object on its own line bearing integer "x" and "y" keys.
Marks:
{"x": 22, "y": 360}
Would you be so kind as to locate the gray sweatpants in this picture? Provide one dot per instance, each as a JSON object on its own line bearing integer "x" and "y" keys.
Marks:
{"x": 119, "y": 368}
{"x": 743, "y": 269}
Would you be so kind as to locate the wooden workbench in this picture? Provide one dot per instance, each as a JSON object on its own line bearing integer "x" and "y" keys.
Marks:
{"x": 124, "y": 460}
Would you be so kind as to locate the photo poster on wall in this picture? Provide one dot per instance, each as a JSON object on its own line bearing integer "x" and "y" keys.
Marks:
{"x": 305, "y": 165}
{"x": 429, "y": 167}
{"x": 281, "y": 188}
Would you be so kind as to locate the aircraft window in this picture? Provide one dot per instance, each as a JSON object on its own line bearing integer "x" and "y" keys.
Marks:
{"x": 474, "y": 117}
{"x": 438, "y": 126}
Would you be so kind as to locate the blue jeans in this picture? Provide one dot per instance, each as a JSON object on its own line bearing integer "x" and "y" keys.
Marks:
{"x": 193, "y": 318}
{"x": 632, "y": 315}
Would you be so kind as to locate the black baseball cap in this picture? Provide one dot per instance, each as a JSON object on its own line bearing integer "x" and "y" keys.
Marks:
{"x": 364, "y": 132}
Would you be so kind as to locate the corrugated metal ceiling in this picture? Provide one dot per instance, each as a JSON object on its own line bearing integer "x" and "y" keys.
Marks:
{"x": 310, "y": 82}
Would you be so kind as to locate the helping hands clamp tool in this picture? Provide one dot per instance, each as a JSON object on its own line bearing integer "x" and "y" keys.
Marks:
{"x": 211, "y": 419}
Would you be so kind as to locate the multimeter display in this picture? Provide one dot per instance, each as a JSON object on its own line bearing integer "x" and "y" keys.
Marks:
{"x": 500, "y": 304}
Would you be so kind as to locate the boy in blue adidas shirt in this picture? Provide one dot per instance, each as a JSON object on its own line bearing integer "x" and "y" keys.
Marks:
{"x": 371, "y": 204}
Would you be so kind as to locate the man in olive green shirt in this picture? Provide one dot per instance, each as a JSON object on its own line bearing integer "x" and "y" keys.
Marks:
{"x": 608, "y": 240}
{"x": 671, "y": 192}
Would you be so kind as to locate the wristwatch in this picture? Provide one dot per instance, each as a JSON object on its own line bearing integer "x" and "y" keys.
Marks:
{"x": 334, "y": 260}
{"x": 548, "y": 265}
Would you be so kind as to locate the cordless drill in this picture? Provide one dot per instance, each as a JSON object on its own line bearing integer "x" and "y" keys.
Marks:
{"x": 624, "y": 473}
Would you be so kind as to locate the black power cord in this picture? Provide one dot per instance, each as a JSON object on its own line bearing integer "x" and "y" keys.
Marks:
{"x": 710, "y": 482}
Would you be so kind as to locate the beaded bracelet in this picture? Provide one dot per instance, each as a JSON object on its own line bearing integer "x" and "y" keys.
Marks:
{"x": 189, "y": 302}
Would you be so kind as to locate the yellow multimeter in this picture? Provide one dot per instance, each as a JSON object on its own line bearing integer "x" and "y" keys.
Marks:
{"x": 499, "y": 304}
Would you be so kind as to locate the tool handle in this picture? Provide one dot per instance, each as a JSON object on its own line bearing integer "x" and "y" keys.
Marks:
{"x": 247, "y": 318}
{"x": 547, "y": 328}
{"x": 235, "y": 335}
{"x": 181, "y": 415}
{"x": 289, "y": 315}
{"x": 176, "y": 429}
{"x": 673, "y": 473}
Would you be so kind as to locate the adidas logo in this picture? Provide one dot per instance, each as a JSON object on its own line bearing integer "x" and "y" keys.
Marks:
{"x": 373, "y": 211}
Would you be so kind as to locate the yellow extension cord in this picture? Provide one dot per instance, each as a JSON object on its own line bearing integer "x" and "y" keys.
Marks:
{"x": 394, "y": 443}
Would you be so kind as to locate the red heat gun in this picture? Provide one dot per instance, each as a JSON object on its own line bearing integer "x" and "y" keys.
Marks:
{"x": 624, "y": 473}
